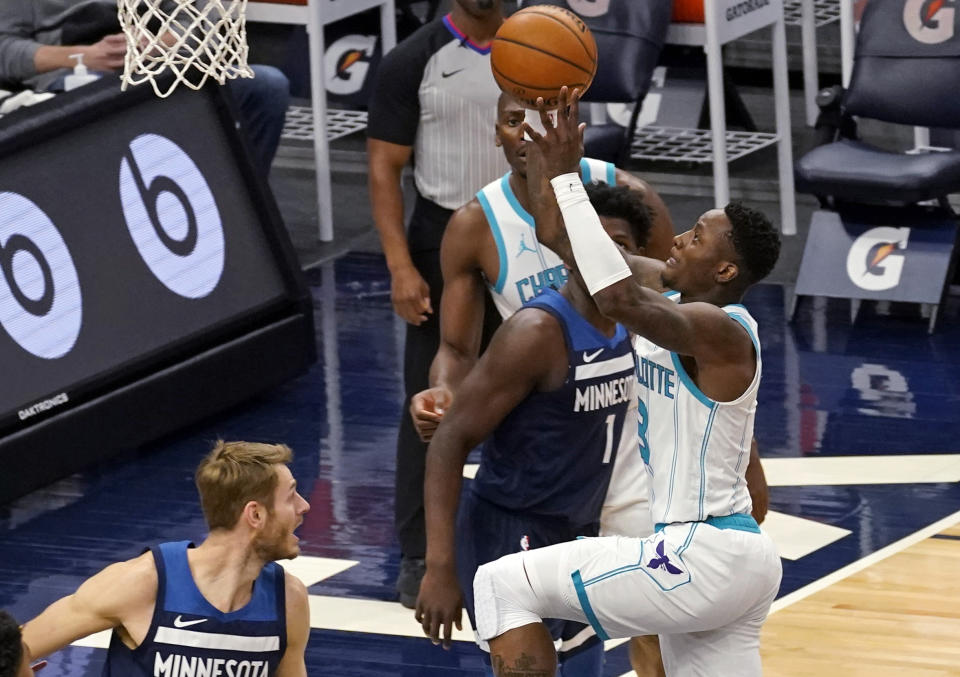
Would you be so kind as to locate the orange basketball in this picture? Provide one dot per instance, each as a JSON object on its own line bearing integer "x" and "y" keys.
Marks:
{"x": 540, "y": 49}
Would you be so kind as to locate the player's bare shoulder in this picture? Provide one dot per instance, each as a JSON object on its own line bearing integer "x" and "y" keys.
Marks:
{"x": 468, "y": 221}
{"x": 535, "y": 332}
{"x": 294, "y": 589}
{"x": 298, "y": 614}
{"x": 468, "y": 239}
{"x": 130, "y": 583}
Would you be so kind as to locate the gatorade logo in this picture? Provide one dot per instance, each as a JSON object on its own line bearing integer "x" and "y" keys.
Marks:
{"x": 590, "y": 8}
{"x": 40, "y": 302}
{"x": 873, "y": 262}
{"x": 883, "y": 391}
{"x": 743, "y": 8}
{"x": 172, "y": 216}
{"x": 348, "y": 62}
{"x": 929, "y": 21}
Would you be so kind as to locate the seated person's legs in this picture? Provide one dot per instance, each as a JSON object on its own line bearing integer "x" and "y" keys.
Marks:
{"x": 263, "y": 102}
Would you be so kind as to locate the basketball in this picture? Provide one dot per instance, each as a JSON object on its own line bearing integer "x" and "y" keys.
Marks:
{"x": 540, "y": 49}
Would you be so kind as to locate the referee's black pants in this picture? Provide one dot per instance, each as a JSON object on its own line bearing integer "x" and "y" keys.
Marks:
{"x": 422, "y": 343}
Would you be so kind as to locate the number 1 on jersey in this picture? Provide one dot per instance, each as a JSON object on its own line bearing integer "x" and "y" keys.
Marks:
{"x": 608, "y": 450}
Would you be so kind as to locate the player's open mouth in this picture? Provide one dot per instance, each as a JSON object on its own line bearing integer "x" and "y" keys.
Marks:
{"x": 671, "y": 261}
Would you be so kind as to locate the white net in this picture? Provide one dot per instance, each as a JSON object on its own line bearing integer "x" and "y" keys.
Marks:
{"x": 191, "y": 39}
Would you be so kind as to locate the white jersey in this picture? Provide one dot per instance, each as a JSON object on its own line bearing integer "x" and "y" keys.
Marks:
{"x": 696, "y": 449}
{"x": 526, "y": 269}
{"x": 526, "y": 266}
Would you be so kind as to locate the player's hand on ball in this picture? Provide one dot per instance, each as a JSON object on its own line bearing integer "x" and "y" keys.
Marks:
{"x": 427, "y": 408}
{"x": 561, "y": 145}
{"x": 440, "y": 605}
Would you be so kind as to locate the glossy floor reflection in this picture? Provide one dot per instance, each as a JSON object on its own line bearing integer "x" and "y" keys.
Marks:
{"x": 879, "y": 387}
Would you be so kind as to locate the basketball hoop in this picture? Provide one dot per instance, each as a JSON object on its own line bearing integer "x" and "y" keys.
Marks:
{"x": 192, "y": 39}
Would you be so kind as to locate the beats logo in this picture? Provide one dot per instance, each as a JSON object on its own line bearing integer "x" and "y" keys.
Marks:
{"x": 172, "y": 216}
{"x": 40, "y": 300}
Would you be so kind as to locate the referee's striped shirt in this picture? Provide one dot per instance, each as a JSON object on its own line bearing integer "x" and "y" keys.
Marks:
{"x": 435, "y": 92}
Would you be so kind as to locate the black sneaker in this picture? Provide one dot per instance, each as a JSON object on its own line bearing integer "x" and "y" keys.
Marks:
{"x": 408, "y": 580}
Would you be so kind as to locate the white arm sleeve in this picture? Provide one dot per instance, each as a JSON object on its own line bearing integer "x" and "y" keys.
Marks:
{"x": 598, "y": 258}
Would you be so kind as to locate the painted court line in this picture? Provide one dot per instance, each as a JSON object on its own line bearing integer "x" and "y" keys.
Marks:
{"x": 861, "y": 564}
{"x": 797, "y": 537}
{"x": 843, "y": 470}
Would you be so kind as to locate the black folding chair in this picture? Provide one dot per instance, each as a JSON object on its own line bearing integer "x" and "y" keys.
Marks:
{"x": 629, "y": 35}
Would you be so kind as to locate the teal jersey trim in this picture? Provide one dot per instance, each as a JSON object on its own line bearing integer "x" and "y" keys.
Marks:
{"x": 703, "y": 457}
{"x": 688, "y": 382}
{"x": 738, "y": 522}
{"x": 611, "y": 174}
{"x": 746, "y": 325}
{"x": 587, "y": 607}
{"x": 514, "y": 202}
{"x": 498, "y": 239}
{"x": 585, "y": 173}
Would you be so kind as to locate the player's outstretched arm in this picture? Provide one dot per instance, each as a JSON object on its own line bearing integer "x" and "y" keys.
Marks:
{"x": 558, "y": 152}
{"x": 523, "y": 356}
{"x": 461, "y": 315}
{"x": 298, "y": 628}
{"x": 543, "y": 205}
{"x": 121, "y": 591}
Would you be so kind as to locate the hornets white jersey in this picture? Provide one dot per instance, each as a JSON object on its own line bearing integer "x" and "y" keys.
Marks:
{"x": 696, "y": 449}
{"x": 526, "y": 266}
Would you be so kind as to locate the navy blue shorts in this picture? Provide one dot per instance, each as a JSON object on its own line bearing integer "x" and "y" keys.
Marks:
{"x": 486, "y": 532}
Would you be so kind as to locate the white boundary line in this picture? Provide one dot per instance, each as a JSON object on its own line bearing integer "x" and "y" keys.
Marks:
{"x": 861, "y": 564}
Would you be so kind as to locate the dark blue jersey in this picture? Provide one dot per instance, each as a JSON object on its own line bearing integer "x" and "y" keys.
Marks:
{"x": 553, "y": 454}
{"x": 189, "y": 637}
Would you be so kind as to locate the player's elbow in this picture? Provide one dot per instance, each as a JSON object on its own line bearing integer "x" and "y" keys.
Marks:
{"x": 614, "y": 301}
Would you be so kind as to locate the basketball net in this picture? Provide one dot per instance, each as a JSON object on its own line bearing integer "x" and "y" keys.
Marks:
{"x": 193, "y": 39}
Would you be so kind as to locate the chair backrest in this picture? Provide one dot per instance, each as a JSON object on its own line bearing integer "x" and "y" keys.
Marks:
{"x": 629, "y": 35}
{"x": 907, "y": 63}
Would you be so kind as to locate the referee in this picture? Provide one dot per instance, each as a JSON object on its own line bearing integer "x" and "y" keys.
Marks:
{"x": 435, "y": 100}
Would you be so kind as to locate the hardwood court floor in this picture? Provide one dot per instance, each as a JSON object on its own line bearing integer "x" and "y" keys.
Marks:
{"x": 898, "y": 617}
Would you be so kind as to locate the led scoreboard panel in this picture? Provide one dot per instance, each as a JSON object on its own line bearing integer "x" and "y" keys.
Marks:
{"x": 145, "y": 277}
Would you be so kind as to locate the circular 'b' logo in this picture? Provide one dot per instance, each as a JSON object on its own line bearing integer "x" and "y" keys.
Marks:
{"x": 172, "y": 216}
{"x": 40, "y": 300}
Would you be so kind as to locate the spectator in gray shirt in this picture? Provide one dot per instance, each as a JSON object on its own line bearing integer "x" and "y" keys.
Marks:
{"x": 37, "y": 38}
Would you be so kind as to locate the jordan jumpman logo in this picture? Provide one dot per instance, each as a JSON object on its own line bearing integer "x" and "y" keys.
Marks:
{"x": 524, "y": 247}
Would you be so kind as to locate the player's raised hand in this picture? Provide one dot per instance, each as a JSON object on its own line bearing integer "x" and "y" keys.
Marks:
{"x": 427, "y": 408}
{"x": 561, "y": 144}
{"x": 440, "y": 605}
